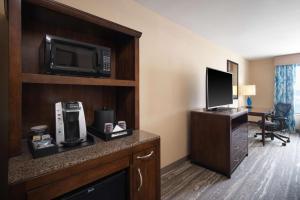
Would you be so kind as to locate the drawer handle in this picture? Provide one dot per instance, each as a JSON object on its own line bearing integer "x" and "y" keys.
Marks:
{"x": 236, "y": 147}
{"x": 141, "y": 179}
{"x": 146, "y": 156}
{"x": 236, "y": 160}
{"x": 91, "y": 189}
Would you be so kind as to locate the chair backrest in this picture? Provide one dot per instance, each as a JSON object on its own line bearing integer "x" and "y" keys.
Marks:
{"x": 282, "y": 109}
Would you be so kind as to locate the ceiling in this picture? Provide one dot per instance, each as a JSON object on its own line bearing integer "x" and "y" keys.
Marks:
{"x": 251, "y": 28}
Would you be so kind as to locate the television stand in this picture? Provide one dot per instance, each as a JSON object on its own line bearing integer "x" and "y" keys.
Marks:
{"x": 219, "y": 140}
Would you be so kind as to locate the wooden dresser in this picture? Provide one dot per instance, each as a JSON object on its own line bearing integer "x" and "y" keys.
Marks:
{"x": 219, "y": 139}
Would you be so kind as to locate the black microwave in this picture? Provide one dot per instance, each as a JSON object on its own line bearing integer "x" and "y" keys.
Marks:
{"x": 69, "y": 57}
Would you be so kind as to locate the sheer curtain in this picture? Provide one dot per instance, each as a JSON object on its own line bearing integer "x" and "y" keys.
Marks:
{"x": 285, "y": 78}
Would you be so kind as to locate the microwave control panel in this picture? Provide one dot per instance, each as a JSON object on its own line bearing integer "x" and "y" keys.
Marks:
{"x": 105, "y": 69}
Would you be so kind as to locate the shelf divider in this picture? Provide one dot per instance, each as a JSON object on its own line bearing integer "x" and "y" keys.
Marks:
{"x": 74, "y": 80}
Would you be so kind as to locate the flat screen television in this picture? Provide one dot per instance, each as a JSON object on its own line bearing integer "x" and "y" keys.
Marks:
{"x": 218, "y": 88}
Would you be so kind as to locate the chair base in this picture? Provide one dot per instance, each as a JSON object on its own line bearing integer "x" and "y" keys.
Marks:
{"x": 273, "y": 135}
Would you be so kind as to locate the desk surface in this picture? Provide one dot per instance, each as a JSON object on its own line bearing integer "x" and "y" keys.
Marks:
{"x": 227, "y": 112}
{"x": 259, "y": 111}
{"x": 256, "y": 111}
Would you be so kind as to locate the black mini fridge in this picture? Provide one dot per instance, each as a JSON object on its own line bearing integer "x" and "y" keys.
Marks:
{"x": 114, "y": 187}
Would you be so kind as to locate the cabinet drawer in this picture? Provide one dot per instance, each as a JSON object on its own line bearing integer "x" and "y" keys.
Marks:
{"x": 239, "y": 134}
{"x": 146, "y": 176}
{"x": 145, "y": 155}
{"x": 238, "y": 144}
{"x": 238, "y": 154}
{"x": 68, "y": 184}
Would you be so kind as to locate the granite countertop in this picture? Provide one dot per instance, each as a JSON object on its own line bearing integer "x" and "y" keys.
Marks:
{"x": 24, "y": 167}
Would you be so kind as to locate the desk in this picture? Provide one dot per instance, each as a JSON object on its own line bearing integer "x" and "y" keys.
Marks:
{"x": 260, "y": 112}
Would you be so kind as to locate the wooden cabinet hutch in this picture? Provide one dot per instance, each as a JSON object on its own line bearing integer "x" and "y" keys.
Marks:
{"x": 32, "y": 95}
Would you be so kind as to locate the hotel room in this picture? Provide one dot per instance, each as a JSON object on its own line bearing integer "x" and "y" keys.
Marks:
{"x": 161, "y": 99}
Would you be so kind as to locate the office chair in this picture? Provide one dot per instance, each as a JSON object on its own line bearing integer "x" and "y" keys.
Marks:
{"x": 277, "y": 122}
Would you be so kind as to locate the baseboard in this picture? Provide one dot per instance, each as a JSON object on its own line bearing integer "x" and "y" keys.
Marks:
{"x": 173, "y": 164}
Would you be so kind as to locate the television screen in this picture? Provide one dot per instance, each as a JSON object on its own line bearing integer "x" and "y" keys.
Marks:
{"x": 218, "y": 88}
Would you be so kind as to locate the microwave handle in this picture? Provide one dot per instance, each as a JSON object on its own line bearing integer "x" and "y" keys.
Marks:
{"x": 48, "y": 53}
{"x": 100, "y": 58}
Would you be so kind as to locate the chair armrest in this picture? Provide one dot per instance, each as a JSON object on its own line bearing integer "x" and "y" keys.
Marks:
{"x": 270, "y": 117}
{"x": 276, "y": 118}
{"x": 279, "y": 118}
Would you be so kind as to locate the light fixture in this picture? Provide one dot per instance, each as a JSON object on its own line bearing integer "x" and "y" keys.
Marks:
{"x": 248, "y": 90}
{"x": 234, "y": 90}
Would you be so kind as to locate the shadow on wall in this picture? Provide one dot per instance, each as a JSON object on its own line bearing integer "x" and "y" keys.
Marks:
{"x": 196, "y": 89}
{"x": 165, "y": 100}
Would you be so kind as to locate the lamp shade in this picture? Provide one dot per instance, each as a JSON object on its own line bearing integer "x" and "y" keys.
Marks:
{"x": 234, "y": 90}
{"x": 247, "y": 90}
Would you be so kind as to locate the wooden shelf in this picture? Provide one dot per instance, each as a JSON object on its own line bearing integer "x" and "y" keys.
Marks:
{"x": 29, "y": 21}
{"x": 72, "y": 80}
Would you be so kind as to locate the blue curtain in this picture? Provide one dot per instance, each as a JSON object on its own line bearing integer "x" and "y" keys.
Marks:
{"x": 285, "y": 77}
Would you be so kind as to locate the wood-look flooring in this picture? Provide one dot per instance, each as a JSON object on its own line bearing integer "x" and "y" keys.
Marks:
{"x": 270, "y": 172}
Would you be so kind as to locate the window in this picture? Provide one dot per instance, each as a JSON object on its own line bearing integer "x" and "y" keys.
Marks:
{"x": 297, "y": 91}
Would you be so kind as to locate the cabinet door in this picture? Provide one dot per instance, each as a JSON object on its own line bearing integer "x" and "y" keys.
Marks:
{"x": 146, "y": 175}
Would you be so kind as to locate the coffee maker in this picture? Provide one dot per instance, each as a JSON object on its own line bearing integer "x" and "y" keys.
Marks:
{"x": 70, "y": 123}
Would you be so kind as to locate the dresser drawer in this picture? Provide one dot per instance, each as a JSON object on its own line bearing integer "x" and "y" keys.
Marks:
{"x": 146, "y": 181}
{"x": 239, "y": 134}
{"x": 70, "y": 183}
{"x": 238, "y": 152}
{"x": 238, "y": 143}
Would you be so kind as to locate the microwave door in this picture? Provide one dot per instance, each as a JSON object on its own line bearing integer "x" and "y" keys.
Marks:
{"x": 73, "y": 59}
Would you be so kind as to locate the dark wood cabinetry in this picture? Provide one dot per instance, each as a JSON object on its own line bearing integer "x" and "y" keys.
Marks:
{"x": 145, "y": 179}
{"x": 4, "y": 114}
{"x": 219, "y": 140}
{"x": 32, "y": 94}
{"x": 138, "y": 154}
